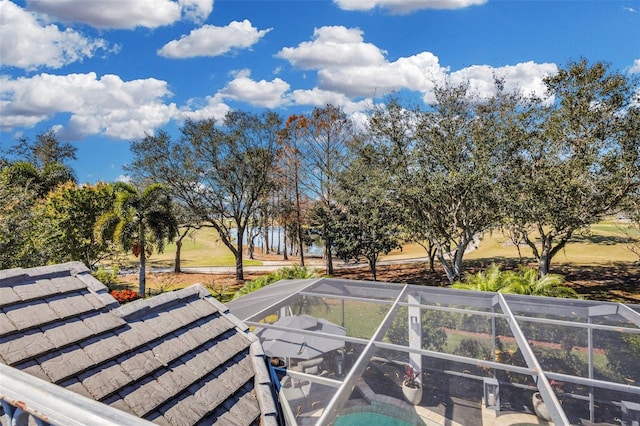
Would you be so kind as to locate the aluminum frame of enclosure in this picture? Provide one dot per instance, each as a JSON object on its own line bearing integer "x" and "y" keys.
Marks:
{"x": 515, "y": 310}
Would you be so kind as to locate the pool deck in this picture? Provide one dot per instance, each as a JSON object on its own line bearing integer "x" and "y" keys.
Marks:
{"x": 400, "y": 408}
{"x": 419, "y": 416}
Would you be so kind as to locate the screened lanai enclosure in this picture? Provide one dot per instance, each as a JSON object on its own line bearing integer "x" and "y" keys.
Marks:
{"x": 477, "y": 358}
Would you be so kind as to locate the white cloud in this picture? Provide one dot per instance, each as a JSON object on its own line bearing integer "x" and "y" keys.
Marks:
{"x": 405, "y": 6}
{"x": 333, "y": 46}
{"x": 196, "y": 10}
{"x": 635, "y": 68}
{"x": 27, "y": 43}
{"x": 212, "y": 107}
{"x": 268, "y": 94}
{"x": 349, "y": 66}
{"x": 318, "y": 97}
{"x": 123, "y": 178}
{"x": 98, "y": 106}
{"x": 526, "y": 77}
{"x": 124, "y": 14}
{"x": 210, "y": 40}
{"x": 419, "y": 72}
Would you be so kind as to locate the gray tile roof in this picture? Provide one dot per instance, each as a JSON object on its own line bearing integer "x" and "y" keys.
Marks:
{"x": 179, "y": 358}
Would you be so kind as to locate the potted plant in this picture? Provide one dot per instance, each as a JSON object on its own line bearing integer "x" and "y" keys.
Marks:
{"x": 411, "y": 386}
{"x": 540, "y": 407}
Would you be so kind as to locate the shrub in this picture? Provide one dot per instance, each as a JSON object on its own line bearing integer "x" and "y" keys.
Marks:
{"x": 124, "y": 296}
{"x": 473, "y": 349}
{"x": 107, "y": 277}
{"x": 522, "y": 281}
{"x": 288, "y": 273}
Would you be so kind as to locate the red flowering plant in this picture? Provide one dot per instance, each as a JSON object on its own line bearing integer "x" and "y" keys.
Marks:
{"x": 410, "y": 377}
{"x": 124, "y": 296}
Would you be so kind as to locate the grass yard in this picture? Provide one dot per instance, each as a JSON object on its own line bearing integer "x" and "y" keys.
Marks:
{"x": 606, "y": 243}
{"x": 599, "y": 265}
{"x": 202, "y": 248}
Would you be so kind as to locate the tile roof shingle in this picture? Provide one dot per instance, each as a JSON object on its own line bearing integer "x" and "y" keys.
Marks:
{"x": 177, "y": 358}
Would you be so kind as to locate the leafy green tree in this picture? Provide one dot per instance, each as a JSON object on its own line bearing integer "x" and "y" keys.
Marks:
{"x": 41, "y": 180}
{"x": 433, "y": 335}
{"x": 220, "y": 172}
{"x": 579, "y": 160}
{"x": 19, "y": 243}
{"x": 368, "y": 224}
{"x": 454, "y": 169}
{"x": 22, "y": 187}
{"x": 141, "y": 221}
{"x": 67, "y": 218}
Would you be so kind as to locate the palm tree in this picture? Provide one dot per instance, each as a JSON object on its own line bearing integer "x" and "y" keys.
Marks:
{"x": 139, "y": 221}
{"x": 521, "y": 281}
{"x": 42, "y": 180}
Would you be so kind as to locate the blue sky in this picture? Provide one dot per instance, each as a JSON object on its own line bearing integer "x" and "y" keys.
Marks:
{"x": 101, "y": 73}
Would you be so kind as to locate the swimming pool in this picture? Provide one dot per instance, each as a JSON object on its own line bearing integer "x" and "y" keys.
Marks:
{"x": 369, "y": 419}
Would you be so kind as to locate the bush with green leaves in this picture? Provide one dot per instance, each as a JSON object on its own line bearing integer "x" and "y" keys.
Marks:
{"x": 108, "y": 277}
{"x": 472, "y": 348}
{"x": 287, "y": 273}
{"x": 521, "y": 281}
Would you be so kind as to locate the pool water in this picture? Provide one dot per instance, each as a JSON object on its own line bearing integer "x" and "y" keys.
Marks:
{"x": 369, "y": 419}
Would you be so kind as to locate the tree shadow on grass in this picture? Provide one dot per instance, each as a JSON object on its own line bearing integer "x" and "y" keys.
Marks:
{"x": 607, "y": 240}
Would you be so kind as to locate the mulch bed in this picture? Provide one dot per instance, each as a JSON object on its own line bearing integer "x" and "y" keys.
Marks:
{"x": 615, "y": 283}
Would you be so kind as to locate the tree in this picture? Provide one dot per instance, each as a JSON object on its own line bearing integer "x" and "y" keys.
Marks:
{"x": 391, "y": 133}
{"x": 67, "y": 218}
{"x": 22, "y": 188}
{"x": 323, "y": 145}
{"x": 41, "y": 180}
{"x": 221, "y": 173}
{"x": 579, "y": 160}
{"x": 45, "y": 149}
{"x": 368, "y": 223}
{"x": 141, "y": 221}
{"x": 19, "y": 243}
{"x": 454, "y": 170}
{"x": 632, "y": 228}
{"x": 291, "y": 176}
{"x": 188, "y": 223}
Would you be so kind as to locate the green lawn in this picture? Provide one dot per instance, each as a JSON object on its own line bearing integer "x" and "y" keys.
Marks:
{"x": 203, "y": 248}
{"x": 605, "y": 244}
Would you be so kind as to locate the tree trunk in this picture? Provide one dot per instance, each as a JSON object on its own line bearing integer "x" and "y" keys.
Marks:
{"x": 238, "y": 254}
{"x": 328, "y": 256}
{"x": 284, "y": 245}
{"x": 266, "y": 236}
{"x": 299, "y": 219}
{"x": 142, "y": 276}
{"x": 447, "y": 268}
{"x": 432, "y": 257}
{"x": 372, "y": 267}
{"x": 546, "y": 253}
{"x": 279, "y": 242}
{"x": 176, "y": 263}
